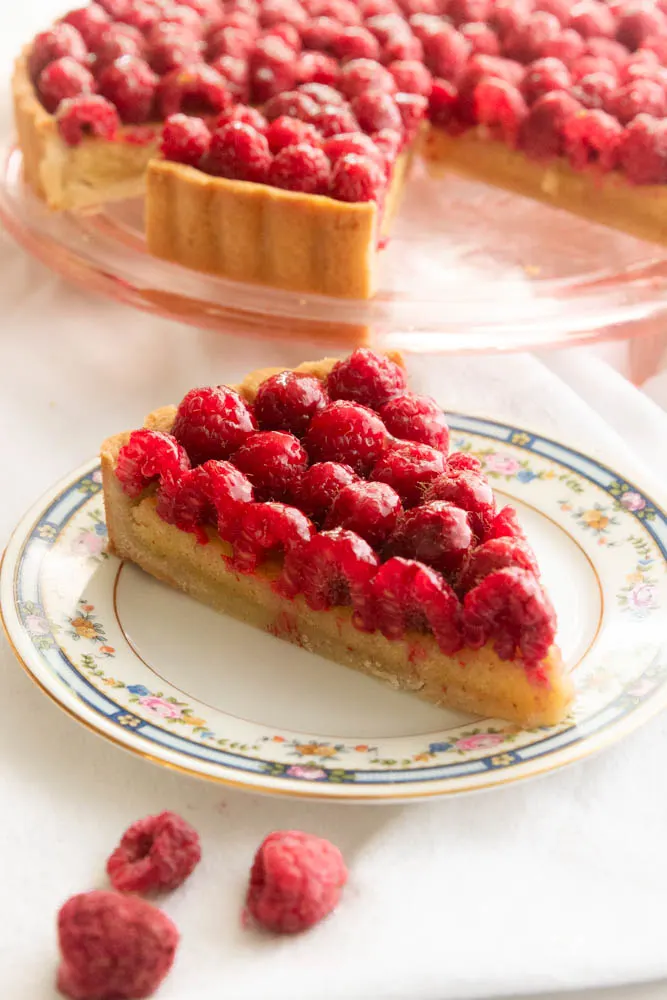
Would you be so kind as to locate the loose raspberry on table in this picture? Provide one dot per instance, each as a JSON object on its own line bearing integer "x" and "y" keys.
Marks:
{"x": 371, "y": 510}
{"x": 241, "y": 113}
{"x": 446, "y": 53}
{"x": 155, "y": 854}
{"x": 592, "y": 19}
{"x": 266, "y": 529}
{"x": 495, "y": 554}
{"x": 375, "y": 110}
{"x": 240, "y": 153}
{"x": 642, "y": 154}
{"x": 437, "y": 533}
{"x": 193, "y": 89}
{"x": 639, "y": 22}
{"x": 147, "y": 456}
{"x": 481, "y": 38}
{"x": 346, "y": 432}
{"x": 333, "y": 120}
{"x": 79, "y": 117}
{"x": 360, "y": 75}
{"x": 409, "y": 467}
{"x": 355, "y": 43}
{"x": 273, "y": 461}
{"x": 501, "y": 108}
{"x": 442, "y": 102}
{"x": 593, "y": 137}
{"x": 638, "y": 97}
{"x": 366, "y": 377}
{"x": 169, "y": 48}
{"x": 411, "y": 77}
{"x": 506, "y": 525}
{"x": 113, "y": 945}
{"x": 319, "y": 487}
{"x": 212, "y": 422}
{"x": 59, "y": 41}
{"x": 595, "y": 90}
{"x": 416, "y": 418}
{"x": 352, "y": 142}
{"x": 317, "y": 68}
{"x": 295, "y": 881}
{"x": 230, "y": 41}
{"x": 89, "y": 21}
{"x": 130, "y": 84}
{"x": 528, "y": 42}
{"x": 542, "y": 133}
{"x": 470, "y": 491}
{"x": 62, "y": 79}
{"x": 185, "y": 140}
{"x": 302, "y": 167}
{"x": 319, "y": 33}
{"x": 543, "y": 76}
{"x": 322, "y": 94}
{"x": 291, "y": 104}
{"x": 510, "y": 609}
{"x": 116, "y": 41}
{"x": 567, "y": 47}
{"x": 236, "y": 75}
{"x": 289, "y": 401}
{"x": 212, "y": 493}
{"x": 333, "y": 570}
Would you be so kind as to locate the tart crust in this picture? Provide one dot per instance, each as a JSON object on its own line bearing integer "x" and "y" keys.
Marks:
{"x": 472, "y": 680}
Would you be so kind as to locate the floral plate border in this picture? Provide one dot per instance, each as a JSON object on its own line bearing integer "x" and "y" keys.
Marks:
{"x": 151, "y": 722}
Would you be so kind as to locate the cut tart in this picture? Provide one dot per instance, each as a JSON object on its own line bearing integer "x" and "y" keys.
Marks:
{"x": 561, "y": 100}
{"x": 322, "y": 506}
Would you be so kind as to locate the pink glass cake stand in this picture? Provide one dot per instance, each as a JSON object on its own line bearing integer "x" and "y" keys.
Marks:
{"x": 469, "y": 268}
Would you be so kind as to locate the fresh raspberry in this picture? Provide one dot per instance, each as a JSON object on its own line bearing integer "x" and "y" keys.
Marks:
{"x": 334, "y": 569}
{"x": 481, "y": 38}
{"x": 438, "y": 534}
{"x": 460, "y": 11}
{"x": 212, "y": 422}
{"x": 638, "y": 22}
{"x": 657, "y": 44}
{"x": 643, "y": 63}
{"x": 559, "y": 8}
{"x": 567, "y": 47}
{"x": 265, "y": 529}
{"x": 371, "y": 510}
{"x": 169, "y": 48}
{"x": 493, "y": 555}
{"x": 407, "y": 596}
{"x": 59, "y": 41}
{"x": 386, "y": 27}
{"x": 209, "y": 10}
{"x": 595, "y": 90}
{"x": 272, "y": 69}
{"x": 184, "y": 18}
{"x": 416, "y": 418}
{"x": 244, "y": 17}
{"x": 483, "y": 67}
{"x": 370, "y": 8}
{"x": 287, "y": 33}
{"x": 607, "y": 48}
{"x": 506, "y": 525}
{"x": 240, "y": 153}
{"x": 279, "y": 11}
{"x": 357, "y": 179}
{"x": 593, "y": 137}
{"x": 320, "y": 486}
{"x": 185, "y": 140}
{"x": 638, "y": 97}
{"x": 63, "y": 79}
{"x": 509, "y": 15}
{"x": 116, "y": 41}
{"x": 79, "y": 117}
{"x": 528, "y": 42}
{"x": 412, "y": 110}
{"x": 295, "y": 881}
{"x": 592, "y": 19}
{"x": 115, "y": 8}
{"x": 542, "y": 135}
{"x": 212, "y": 493}
{"x": 235, "y": 75}
{"x": 113, "y": 946}
{"x": 240, "y": 113}
{"x": 366, "y": 377}
{"x": 376, "y": 110}
{"x": 322, "y": 94}
{"x": 446, "y": 53}
{"x": 471, "y": 492}
{"x": 360, "y": 75}
{"x": 460, "y": 461}
{"x": 194, "y": 89}
{"x": 442, "y": 102}
{"x": 230, "y": 41}
{"x": 333, "y": 120}
{"x": 320, "y": 33}
{"x": 642, "y": 153}
{"x": 289, "y": 401}
{"x": 352, "y": 142}
{"x": 155, "y": 854}
{"x": 344, "y": 11}
{"x": 273, "y": 461}
{"x": 141, "y": 14}
{"x": 411, "y": 77}
{"x": 407, "y": 48}
{"x": 409, "y": 468}
{"x": 348, "y": 433}
{"x": 317, "y": 67}
{"x": 291, "y": 104}
{"x": 389, "y": 143}
{"x": 284, "y": 132}
{"x": 130, "y": 84}
{"x": 89, "y": 21}
{"x": 510, "y": 609}
{"x": 355, "y": 43}
{"x": 501, "y": 108}
{"x": 543, "y": 76}
{"x": 424, "y": 25}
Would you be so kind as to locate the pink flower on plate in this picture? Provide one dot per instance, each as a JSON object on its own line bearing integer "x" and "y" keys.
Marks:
{"x": 163, "y": 708}
{"x": 503, "y": 464}
{"x": 632, "y": 501}
{"x": 97, "y": 476}
{"x": 642, "y": 597}
{"x": 37, "y": 625}
{"x": 482, "y": 741}
{"x": 309, "y": 773}
{"x": 88, "y": 544}
{"x": 641, "y": 687}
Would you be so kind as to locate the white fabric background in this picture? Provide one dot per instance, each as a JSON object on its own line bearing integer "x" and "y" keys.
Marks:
{"x": 551, "y": 885}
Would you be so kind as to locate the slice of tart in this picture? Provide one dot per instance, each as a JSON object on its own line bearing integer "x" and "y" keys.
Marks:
{"x": 322, "y": 505}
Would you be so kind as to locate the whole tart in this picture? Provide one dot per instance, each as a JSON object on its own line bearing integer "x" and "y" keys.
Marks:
{"x": 332, "y": 539}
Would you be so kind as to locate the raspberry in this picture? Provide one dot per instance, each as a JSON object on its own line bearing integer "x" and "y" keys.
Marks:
{"x": 63, "y": 79}
{"x": 376, "y": 110}
{"x": 407, "y": 596}
{"x": 639, "y": 96}
{"x": 607, "y": 48}
{"x": 185, "y": 140}
{"x": 86, "y": 116}
{"x": 460, "y": 11}
{"x": 409, "y": 468}
{"x": 287, "y": 33}
{"x": 559, "y": 8}
{"x": 169, "y": 48}
{"x": 291, "y": 104}
{"x": 323, "y": 95}
{"x": 416, "y": 418}
{"x": 286, "y": 131}
{"x": 442, "y": 102}
{"x": 638, "y": 22}
{"x": 567, "y": 47}
{"x": 235, "y": 75}
{"x": 411, "y": 77}
{"x": 360, "y": 75}
{"x": 320, "y": 486}
{"x": 593, "y": 137}
{"x": 147, "y": 456}
{"x": 471, "y": 492}
{"x": 406, "y": 49}
{"x": 366, "y": 377}
{"x": 155, "y": 853}
{"x": 249, "y": 116}
{"x": 357, "y": 179}
{"x": 643, "y": 63}
{"x": 437, "y": 534}
{"x": 320, "y": 33}
{"x": 412, "y": 109}
{"x": 195, "y": 89}
{"x": 116, "y": 41}
{"x": 481, "y": 38}
{"x": 317, "y": 67}
{"x": 113, "y": 946}
{"x": 115, "y": 8}
{"x": 130, "y": 84}
{"x": 592, "y": 19}
{"x": 230, "y": 41}
{"x": 289, "y": 401}
{"x": 355, "y": 43}
{"x": 344, "y": 11}
{"x": 543, "y": 132}
{"x": 265, "y": 529}
{"x": 587, "y": 65}
{"x": 279, "y": 11}
{"x": 352, "y": 142}
{"x": 369, "y": 8}
{"x": 302, "y": 167}
{"x": 332, "y": 120}
{"x": 61, "y": 40}
{"x": 295, "y": 881}
{"x": 272, "y": 69}
{"x": 141, "y": 14}
{"x": 642, "y": 153}
{"x": 528, "y": 42}
{"x": 239, "y": 153}
{"x": 184, "y": 18}
{"x": 543, "y": 76}
{"x": 510, "y": 609}
{"x": 501, "y": 108}
{"x": 389, "y": 144}
{"x": 348, "y": 433}
{"x": 386, "y": 27}
{"x": 371, "y": 510}
{"x": 509, "y": 15}
{"x": 506, "y": 525}
{"x": 446, "y": 53}
{"x": 657, "y": 44}
{"x": 212, "y": 493}
{"x": 212, "y": 422}
{"x": 493, "y": 555}
{"x": 334, "y": 569}
{"x": 460, "y": 461}
{"x": 89, "y": 21}
{"x": 424, "y": 25}
{"x": 273, "y": 461}
{"x": 595, "y": 90}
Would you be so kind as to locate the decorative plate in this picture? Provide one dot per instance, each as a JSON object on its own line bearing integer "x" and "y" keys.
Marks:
{"x": 172, "y": 681}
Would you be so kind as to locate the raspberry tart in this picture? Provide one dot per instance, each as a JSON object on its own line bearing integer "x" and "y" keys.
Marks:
{"x": 276, "y": 134}
{"x": 289, "y": 503}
